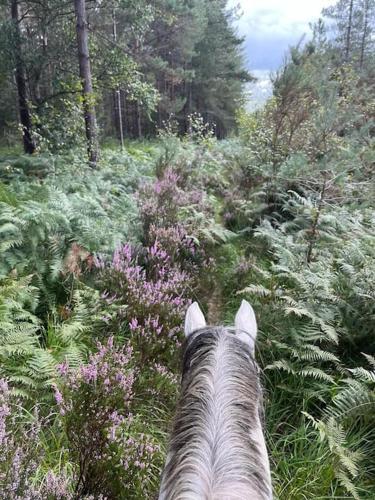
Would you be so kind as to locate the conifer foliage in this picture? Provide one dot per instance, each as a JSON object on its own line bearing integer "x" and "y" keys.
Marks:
{"x": 133, "y": 64}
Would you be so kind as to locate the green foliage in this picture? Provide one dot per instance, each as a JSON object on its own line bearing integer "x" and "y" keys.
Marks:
{"x": 307, "y": 263}
{"x": 30, "y": 353}
{"x": 282, "y": 215}
{"x": 60, "y": 127}
{"x": 47, "y": 244}
{"x": 154, "y": 60}
{"x": 18, "y": 329}
{"x": 52, "y": 215}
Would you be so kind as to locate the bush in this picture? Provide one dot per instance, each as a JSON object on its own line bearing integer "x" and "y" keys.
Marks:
{"x": 107, "y": 442}
{"x": 153, "y": 298}
{"x": 22, "y": 455}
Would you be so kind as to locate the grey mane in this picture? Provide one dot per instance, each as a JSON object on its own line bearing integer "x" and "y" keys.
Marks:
{"x": 213, "y": 451}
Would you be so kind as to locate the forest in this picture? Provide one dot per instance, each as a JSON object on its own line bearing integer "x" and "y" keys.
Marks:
{"x": 133, "y": 181}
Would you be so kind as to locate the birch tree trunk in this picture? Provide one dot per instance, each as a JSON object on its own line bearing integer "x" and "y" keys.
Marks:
{"x": 86, "y": 78}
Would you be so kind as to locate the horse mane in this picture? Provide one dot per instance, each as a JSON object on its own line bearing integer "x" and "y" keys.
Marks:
{"x": 214, "y": 449}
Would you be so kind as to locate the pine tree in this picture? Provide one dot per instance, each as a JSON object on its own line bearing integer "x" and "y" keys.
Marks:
{"x": 354, "y": 22}
{"x": 85, "y": 75}
{"x": 217, "y": 89}
{"x": 24, "y": 109}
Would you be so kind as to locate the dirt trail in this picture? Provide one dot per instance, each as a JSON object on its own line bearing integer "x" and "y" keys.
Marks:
{"x": 215, "y": 305}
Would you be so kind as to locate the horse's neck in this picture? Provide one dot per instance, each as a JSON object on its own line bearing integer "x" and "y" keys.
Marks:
{"x": 218, "y": 449}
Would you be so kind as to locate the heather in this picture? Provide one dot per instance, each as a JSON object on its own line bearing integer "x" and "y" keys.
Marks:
{"x": 111, "y": 444}
{"x": 92, "y": 333}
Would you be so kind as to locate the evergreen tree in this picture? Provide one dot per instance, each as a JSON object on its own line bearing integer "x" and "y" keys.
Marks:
{"x": 353, "y": 24}
{"x": 20, "y": 76}
{"x": 86, "y": 79}
{"x": 150, "y": 62}
{"x": 217, "y": 89}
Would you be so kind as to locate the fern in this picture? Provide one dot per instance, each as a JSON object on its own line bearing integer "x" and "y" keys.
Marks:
{"x": 346, "y": 460}
{"x": 311, "y": 352}
{"x": 317, "y": 373}
{"x": 312, "y": 312}
{"x": 28, "y": 354}
{"x": 354, "y": 399}
{"x": 259, "y": 290}
{"x": 363, "y": 375}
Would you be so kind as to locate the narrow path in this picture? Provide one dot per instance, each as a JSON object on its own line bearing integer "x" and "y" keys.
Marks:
{"x": 214, "y": 303}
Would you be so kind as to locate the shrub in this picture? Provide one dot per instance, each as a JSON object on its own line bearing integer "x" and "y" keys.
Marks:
{"x": 107, "y": 442}
{"x": 153, "y": 296}
{"x": 21, "y": 454}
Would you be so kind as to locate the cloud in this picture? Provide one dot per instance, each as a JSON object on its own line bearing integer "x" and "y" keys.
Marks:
{"x": 271, "y": 26}
{"x": 260, "y": 91}
{"x": 277, "y": 17}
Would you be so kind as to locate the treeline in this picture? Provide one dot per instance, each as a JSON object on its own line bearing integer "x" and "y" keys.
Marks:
{"x": 323, "y": 95}
{"x": 150, "y": 62}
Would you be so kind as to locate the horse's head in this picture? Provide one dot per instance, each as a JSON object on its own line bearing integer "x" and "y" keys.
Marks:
{"x": 217, "y": 447}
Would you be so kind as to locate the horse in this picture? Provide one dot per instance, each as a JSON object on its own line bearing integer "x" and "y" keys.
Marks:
{"x": 217, "y": 449}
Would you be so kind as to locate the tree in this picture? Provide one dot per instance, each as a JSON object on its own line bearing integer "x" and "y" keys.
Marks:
{"x": 24, "y": 111}
{"x": 353, "y": 24}
{"x": 86, "y": 78}
{"x": 152, "y": 62}
{"x": 349, "y": 30}
{"x": 117, "y": 93}
{"x": 220, "y": 76}
{"x": 368, "y": 16}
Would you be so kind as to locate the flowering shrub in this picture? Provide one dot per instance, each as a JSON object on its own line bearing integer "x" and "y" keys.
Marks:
{"x": 106, "y": 441}
{"x": 150, "y": 286}
{"x": 159, "y": 201}
{"x": 181, "y": 248}
{"x": 171, "y": 201}
{"x": 21, "y": 455}
{"x": 154, "y": 294}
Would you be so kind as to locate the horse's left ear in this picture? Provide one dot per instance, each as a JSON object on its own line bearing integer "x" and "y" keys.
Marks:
{"x": 246, "y": 324}
{"x": 194, "y": 319}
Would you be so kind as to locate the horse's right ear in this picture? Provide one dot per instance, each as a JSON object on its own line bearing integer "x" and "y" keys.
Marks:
{"x": 194, "y": 319}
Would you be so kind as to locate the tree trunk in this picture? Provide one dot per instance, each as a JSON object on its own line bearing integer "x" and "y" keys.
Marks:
{"x": 138, "y": 110}
{"x": 23, "y": 106}
{"x": 364, "y": 34}
{"x": 139, "y": 120}
{"x": 117, "y": 93}
{"x": 189, "y": 108}
{"x": 349, "y": 31}
{"x": 123, "y": 104}
{"x": 85, "y": 75}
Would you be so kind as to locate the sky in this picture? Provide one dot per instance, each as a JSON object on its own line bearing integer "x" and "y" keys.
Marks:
{"x": 271, "y": 26}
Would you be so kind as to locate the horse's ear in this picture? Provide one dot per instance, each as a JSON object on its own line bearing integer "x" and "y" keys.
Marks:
{"x": 194, "y": 319}
{"x": 246, "y": 324}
